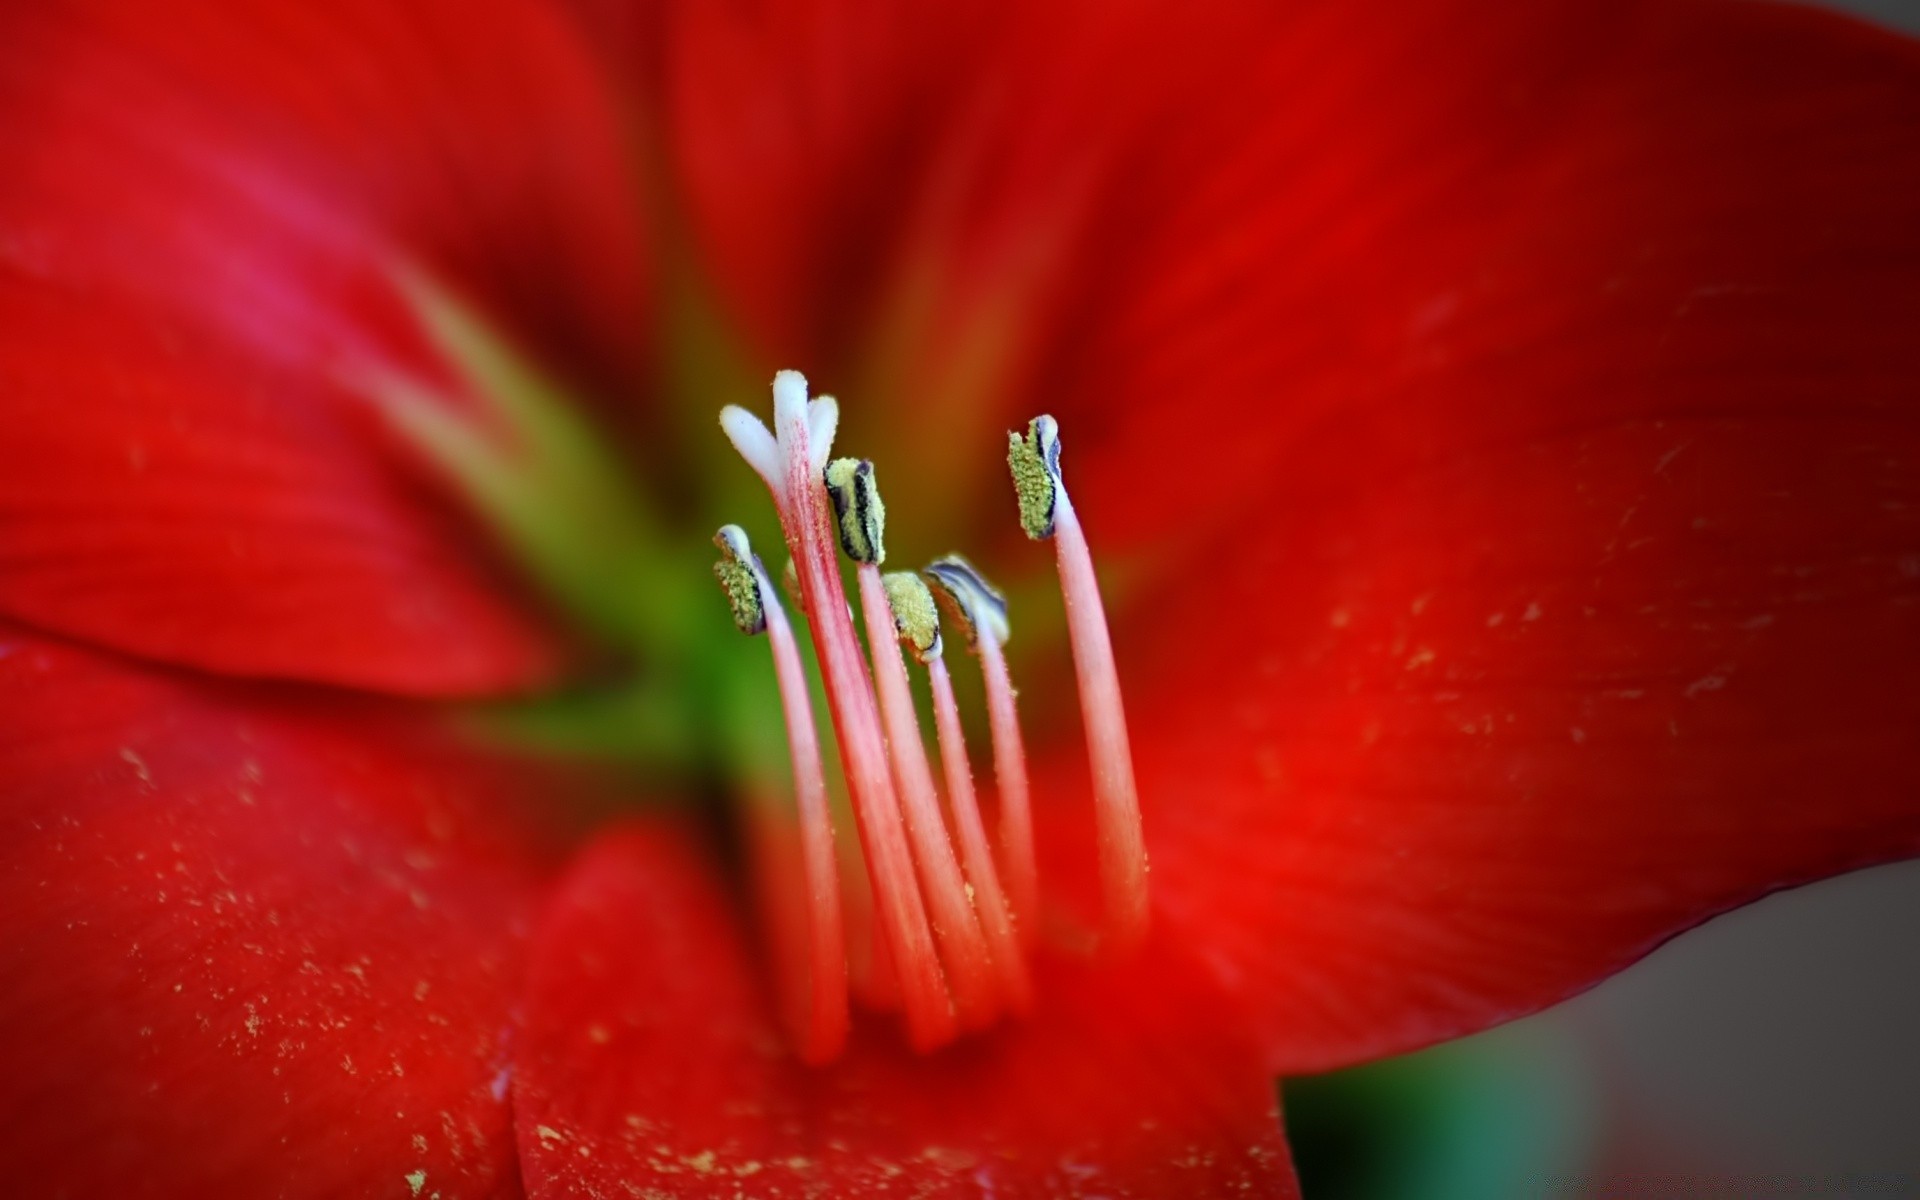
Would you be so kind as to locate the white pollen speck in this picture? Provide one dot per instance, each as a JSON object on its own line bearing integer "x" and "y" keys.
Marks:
{"x": 1706, "y": 683}
{"x": 132, "y": 758}
{"x": 549, "y": 1134}
{"x": 416, "y": 1180}
{"x": 1494, "y": 620}
{"x": 1532, "y": 613}
{"x": 1579, "y": 735}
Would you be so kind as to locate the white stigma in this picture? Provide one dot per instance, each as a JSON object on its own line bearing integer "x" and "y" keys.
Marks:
{"x": 750, "y": 437}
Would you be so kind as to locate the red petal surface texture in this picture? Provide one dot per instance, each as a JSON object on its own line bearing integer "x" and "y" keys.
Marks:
{"x": 1564, "y": 581}
{"x": 253, "y": 948}
{"x": 653, "y": 1061}
{"x": 200, "y": 211}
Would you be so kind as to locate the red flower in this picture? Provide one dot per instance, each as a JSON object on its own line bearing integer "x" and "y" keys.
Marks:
{"x": 1506, "y": 422}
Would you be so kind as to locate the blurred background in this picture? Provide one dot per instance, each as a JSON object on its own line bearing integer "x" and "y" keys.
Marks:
{"x": 1773, "y": 1052}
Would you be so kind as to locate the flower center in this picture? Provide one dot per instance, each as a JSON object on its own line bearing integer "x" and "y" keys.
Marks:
{"x": 947, "y": 942}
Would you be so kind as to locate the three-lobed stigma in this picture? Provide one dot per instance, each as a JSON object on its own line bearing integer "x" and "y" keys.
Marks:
{"x": 955, "y": 912}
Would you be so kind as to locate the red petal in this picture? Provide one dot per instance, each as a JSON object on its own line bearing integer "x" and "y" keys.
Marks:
{"x": 653, "y": 1060}
{"x": 1571, "y": 585}
{"x": 200, "y": 211}
{"x": 250, "y": 947}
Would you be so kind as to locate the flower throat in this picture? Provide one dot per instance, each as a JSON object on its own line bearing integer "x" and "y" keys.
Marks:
{"x": 950, "y": 928}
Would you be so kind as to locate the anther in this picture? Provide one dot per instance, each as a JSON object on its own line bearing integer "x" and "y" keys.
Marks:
{"x": 1035, "y": 463}
{"x": 972, "y": 603}
{"x": 815, "y": 975}
{"x": 915, "y": 618}
{"x": 738, "y": 574}
{"x": 980, "y": 612}
{"x": 858, "y": 513}
{"x": 1046, "y": 511}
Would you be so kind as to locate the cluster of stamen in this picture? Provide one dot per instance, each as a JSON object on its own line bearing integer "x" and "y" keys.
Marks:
{"x": 945, "y": 941}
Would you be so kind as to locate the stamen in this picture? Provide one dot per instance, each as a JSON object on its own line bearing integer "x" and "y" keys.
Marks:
{"x": 963, "y": 946}
{"x": 816, "y": 1001}
{"x": 981, "y": 613}
{"x": 1046, "y": 511}
{"x": 799, "y": 493}
{"x": 919, "y": 625}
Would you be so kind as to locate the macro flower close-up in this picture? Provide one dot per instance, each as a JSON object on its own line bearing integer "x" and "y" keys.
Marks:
{"x": 1493, "y": 436}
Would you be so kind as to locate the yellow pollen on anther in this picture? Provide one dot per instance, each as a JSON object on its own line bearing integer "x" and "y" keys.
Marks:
{"x": 737, "y": 577}
{"x": 914, "y": 615}
{"x": 859, "y": 515}
{"x": 1035, "y": 463}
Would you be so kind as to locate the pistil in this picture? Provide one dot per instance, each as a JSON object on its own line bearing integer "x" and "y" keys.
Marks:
{"x": 1046, "y": 512}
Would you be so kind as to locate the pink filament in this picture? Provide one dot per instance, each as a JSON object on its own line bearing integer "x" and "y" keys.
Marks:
{"x": 1010, "y": 773}
{"x": 1008, "y": 959}
{"x": 1122, "y": 847}
{"x": 821, "y": 1029}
